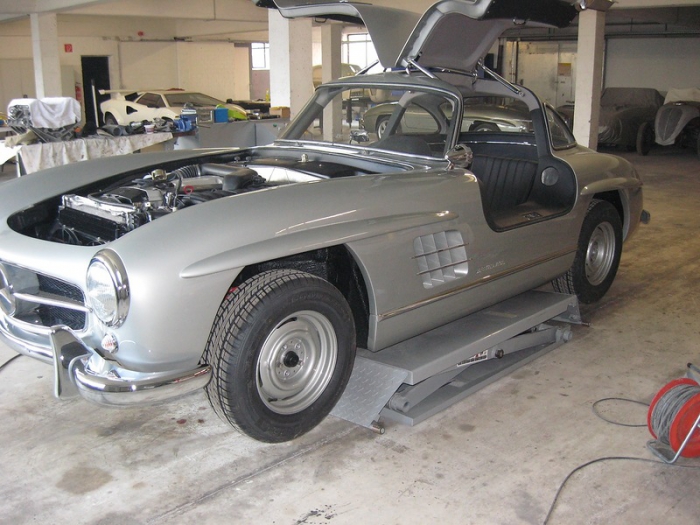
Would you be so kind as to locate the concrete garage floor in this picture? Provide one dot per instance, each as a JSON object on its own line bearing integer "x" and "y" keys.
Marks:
{"x": 497, "y": 457}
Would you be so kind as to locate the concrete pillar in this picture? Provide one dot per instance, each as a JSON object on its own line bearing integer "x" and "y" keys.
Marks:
{"x": 331, "y": 36}
{"x": 47, "y": 66}
{"x": 589, "y": 76}
{"x": 291, "y": 48}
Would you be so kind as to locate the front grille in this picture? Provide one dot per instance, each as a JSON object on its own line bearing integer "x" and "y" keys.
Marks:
{"x": 667, "y": 122}
{"x": 36, "y": 298}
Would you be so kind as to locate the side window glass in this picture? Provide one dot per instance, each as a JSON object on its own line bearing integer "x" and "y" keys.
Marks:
{"x": 151, "y": 100}
{"x": 561, "y": 135}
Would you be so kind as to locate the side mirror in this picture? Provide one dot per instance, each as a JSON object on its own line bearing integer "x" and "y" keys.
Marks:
{"x": 460, "y": 156}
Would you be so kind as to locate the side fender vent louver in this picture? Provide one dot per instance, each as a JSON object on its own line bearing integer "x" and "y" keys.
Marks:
{"x": 441, "y": 257}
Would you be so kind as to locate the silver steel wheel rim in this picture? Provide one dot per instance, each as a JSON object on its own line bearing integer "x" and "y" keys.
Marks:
{"x": 381, "y": 127}
{"x": 296, "y": 362}
{"x": 600, "y": 253}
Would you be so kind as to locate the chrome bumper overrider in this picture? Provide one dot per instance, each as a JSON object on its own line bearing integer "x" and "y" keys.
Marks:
{"x": 73, "y": 375}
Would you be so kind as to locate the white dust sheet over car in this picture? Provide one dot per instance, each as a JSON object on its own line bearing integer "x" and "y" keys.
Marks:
{"x": 37, "y": 157}
{"x": 682, "y": 95}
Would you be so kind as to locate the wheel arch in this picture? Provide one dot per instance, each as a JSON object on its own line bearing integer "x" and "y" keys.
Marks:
{"x": 621, "y": 203}
{"x": 335, "y": 264}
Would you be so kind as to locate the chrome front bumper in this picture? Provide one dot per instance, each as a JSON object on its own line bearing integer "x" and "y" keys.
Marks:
{"x": 73, "y": 375}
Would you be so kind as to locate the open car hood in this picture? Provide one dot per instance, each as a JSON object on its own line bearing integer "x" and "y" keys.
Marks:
{"x": 452, "y": 34}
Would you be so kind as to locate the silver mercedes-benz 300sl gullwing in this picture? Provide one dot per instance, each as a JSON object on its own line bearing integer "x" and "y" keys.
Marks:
{"x": 256, "y": 273}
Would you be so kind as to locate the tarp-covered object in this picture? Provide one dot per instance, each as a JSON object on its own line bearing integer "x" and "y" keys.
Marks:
{"x": 625, "y": 97}
{"x": 682, "y": 95}
{"x": 50, "y": 112}
{"x": 623, "y": 111}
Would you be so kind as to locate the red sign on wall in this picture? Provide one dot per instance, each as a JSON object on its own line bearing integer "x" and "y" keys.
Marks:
{"x": 68, "y": 48}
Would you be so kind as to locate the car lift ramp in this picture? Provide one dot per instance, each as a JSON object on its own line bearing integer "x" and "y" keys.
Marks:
{"x": 415, "y": 379}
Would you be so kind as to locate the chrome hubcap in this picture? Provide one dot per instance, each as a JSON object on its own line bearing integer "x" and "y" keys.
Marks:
{"x": 296, "y": 362}
{"x": 381, "y": 129}
{"x": 600, "y": 253}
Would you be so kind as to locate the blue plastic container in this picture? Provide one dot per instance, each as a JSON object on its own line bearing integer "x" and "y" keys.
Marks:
{"x": 221, "y": 115}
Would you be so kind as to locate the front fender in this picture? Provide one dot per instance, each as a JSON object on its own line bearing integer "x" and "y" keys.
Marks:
{"x": 306, "y": 240}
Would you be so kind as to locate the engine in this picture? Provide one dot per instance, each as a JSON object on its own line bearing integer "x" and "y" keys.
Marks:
{"x": 105, "y": 216}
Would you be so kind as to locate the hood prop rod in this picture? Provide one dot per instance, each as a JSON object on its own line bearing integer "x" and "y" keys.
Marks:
{"x": 412, "y": 62}
{"x": 498, "y": 78}
{"x": 364, "y": 70}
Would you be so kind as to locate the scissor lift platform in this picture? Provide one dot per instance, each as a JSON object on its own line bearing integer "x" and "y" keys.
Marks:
{"x": 417, "y": 378}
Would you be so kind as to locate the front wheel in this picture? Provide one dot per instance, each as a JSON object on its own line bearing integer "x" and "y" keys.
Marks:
{"x": 282, "y": 348}
{"x": 598, "y": 254}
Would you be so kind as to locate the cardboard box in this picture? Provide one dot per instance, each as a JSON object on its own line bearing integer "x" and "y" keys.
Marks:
{"x": 280, "y": 111}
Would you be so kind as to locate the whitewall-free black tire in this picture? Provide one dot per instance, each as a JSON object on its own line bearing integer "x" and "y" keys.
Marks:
{"x": 282, "y": 348}
{"x": 597, "y": 256}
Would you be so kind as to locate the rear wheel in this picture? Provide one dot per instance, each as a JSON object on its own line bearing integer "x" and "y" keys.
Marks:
{"x": 645, "y": 138}
{"x": 110, "y": 120}
{"x": 484, "y": 126}
{"x": 382, "y": 123}
{"x": 598, "y": 254}
{"x": 282, "y": 348}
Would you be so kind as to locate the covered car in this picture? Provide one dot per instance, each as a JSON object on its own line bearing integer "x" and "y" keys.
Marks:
{"x": 136, "y": 106}
{"x": 678, "y": 120}
{"x": 626, "y": 117}
{"x": 258, "y": 273}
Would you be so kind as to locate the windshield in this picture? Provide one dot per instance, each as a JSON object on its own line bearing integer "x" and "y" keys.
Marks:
{"x": 196, "y": 99}
{"x": 400, "y": 120}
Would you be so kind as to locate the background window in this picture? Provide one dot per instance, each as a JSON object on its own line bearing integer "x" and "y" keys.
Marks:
{"x": 260, "y": 55}
{"x": 357, "y": 49}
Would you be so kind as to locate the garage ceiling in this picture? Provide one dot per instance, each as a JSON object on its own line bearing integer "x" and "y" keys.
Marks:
{"x": 627, "y": 17}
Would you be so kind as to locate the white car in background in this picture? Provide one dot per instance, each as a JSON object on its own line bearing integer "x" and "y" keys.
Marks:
{"x": 126, "y": 107}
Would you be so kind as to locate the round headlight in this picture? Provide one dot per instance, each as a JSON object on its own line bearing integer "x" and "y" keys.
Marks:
{"x": 108, "y": 288}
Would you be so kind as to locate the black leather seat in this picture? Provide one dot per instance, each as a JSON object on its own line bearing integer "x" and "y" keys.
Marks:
{"x": 405, "y": 144}
{"x": 506, "y": 183}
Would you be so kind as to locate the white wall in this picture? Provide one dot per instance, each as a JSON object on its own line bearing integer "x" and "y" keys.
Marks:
{"x": 148, "y": 65}
{"x": 142, "y": 54}
{"x": 548, "y": 69}
{"x": 660, "y": 63}
{"x": 16, "y": 80}
{"x": 242, "y": 81}
{"x": 218, "y": 69}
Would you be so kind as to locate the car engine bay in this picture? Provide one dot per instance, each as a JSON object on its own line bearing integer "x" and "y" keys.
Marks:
{"x": 104, "y": 216}
{"x": 103, "y": 212}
